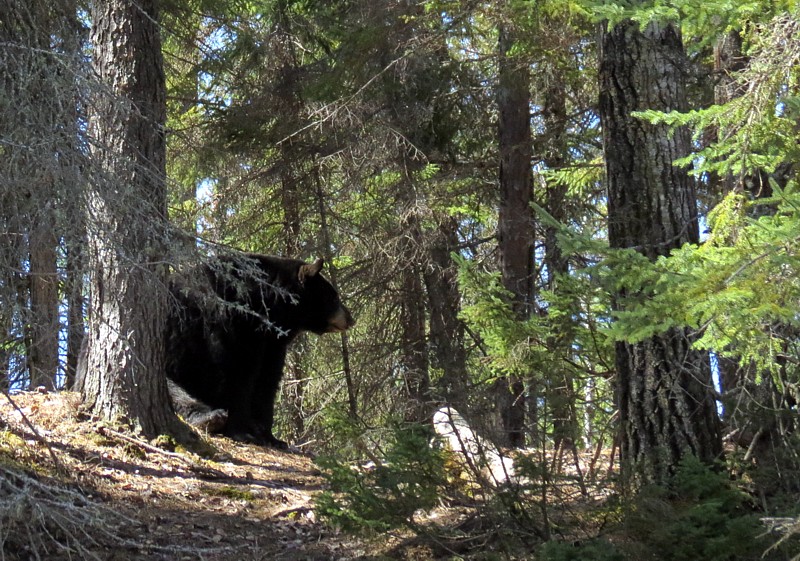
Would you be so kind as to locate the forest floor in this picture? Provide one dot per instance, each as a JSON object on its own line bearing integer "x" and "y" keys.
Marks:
{"x": 136, "y": 502}
{"x": 71, "y": 489}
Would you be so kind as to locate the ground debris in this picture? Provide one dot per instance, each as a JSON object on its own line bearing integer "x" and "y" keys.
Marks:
{"x": 113, "y": 496}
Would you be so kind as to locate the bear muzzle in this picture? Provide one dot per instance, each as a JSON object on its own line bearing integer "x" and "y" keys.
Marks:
{"x": 341, "y": 320}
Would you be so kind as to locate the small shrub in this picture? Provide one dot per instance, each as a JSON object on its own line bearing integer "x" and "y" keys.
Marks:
{"x": 592, "y": 550}
{"x": 388, "y": 495}
{"x": 229, "y": 492}
{"x": 699, "y": 515}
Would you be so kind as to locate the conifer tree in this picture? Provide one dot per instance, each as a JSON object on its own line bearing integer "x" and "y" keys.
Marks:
{"x": 664, "y": 388}
{"x": 124, "y": 376}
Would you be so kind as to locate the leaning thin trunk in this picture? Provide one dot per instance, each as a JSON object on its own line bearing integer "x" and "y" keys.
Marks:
{"x": 347, "y": 371}
{"x": 414, "y": 350}
{"x": 554, "y": 150}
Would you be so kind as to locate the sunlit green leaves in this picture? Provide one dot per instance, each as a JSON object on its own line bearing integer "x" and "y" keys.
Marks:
{"x": 733, "y": 288}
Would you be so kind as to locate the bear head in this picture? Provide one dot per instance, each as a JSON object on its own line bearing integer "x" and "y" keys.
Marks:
{"x": 318, "y": 302}
{"x": 299, "y": 297}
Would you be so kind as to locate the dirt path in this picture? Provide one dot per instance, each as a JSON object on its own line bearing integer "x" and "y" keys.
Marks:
{"x": 247, "y": 503}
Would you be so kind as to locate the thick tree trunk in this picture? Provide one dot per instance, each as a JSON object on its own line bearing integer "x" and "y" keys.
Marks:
{"x": 665, "y": 394}
{"x": 515, "y": 221}
{"x": 124, "y": 379}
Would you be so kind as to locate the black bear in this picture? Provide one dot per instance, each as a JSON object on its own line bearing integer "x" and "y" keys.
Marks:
{"x": 228, "y": 334}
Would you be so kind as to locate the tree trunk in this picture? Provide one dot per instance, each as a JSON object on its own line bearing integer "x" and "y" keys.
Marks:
{"x": 34, "y": 93}
{"x": 515, "y": 222}
{"x": 124, "y": 379}
{"x": 291, "y": 187}
{"x": 44, "y": 324}
{"x": 72, "y": 209}
{"x": 414, "y": 360}
{"x": 347, "y": 371}
{"x": 756, "y": 403}
{"x": 553, "y": 148}
{"x": 665, "y": 394}
{"x": 446, "y": 329}
{"x": 73, "y": 287}
{"x": 43, "y": 242}
{"x": 294, "y": 383}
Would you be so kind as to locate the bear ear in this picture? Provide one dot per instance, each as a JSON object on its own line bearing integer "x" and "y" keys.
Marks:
{"x": 308, "y": 270}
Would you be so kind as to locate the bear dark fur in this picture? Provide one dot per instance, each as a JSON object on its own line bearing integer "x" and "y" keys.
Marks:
{"x": 228, "y": 336}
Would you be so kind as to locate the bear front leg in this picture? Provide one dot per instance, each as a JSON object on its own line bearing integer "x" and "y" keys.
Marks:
{"x": 240, "y": 387}
{"x": 264, "y": 427}
{"x": 263, "y": 400}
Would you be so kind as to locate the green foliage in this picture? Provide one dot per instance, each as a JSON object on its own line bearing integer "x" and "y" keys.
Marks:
{"x": 699, "y": 515}
{"x": 591, "y": 550}
{"x": 385, "y": 496}
{"x": 732, "y": 288}
{"x": 756, "y": 131}
{"x": 705, "y": 15}
{"x": 513, "y": 344}
{"x": 579, "y": 180}
{"x": 300, "y": 95}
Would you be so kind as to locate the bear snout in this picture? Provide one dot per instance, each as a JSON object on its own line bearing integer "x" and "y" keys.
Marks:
{"x": 341, "y": 320}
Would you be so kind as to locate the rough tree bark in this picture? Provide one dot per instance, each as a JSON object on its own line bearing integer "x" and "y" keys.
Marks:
{"x": 664, "y": 389}
{"x": 42, "y": 239}
{"x": 124, "y": 379}
{"x": 73, "y": 287}
{"x": 44, "y": 325}
{"x": 33, "y": 92}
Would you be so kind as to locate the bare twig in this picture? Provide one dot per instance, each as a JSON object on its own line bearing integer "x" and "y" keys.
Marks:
{"x": 203, "y": 470}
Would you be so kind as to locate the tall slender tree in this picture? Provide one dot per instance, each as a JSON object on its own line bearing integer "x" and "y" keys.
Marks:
{"x": 446, "y": 330}
{"x": 553, "y": 148}
{"x": 40, "y": 175}
{"x": 664, "y": 388}
{"x": 36, "y": 25}
{"x": 515, "y": 222}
